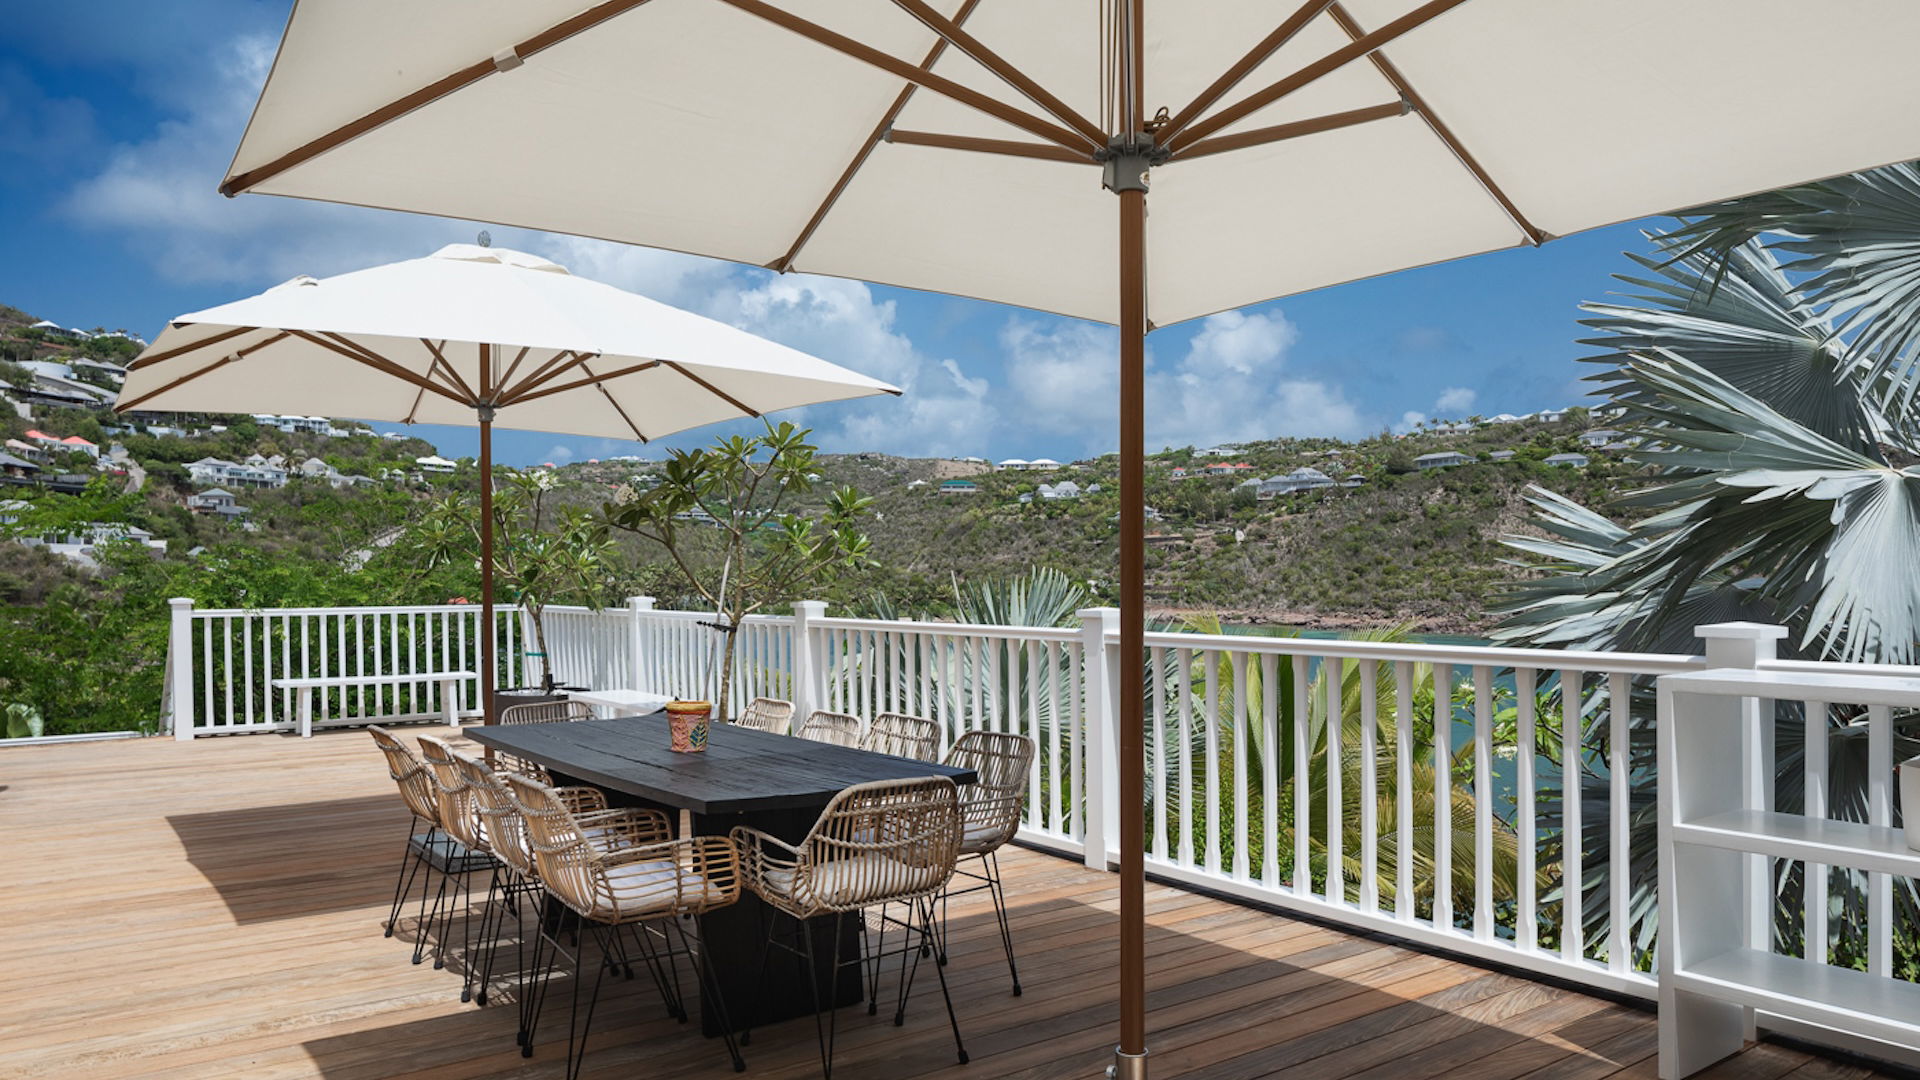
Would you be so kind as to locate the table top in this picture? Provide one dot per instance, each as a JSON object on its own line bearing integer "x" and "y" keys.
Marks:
{"x": 741, "y": 771}
{"x": 621, "y": 699}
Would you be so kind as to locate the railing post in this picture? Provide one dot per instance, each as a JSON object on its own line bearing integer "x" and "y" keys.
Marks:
{"x": 636, "y": 653}
{"x": 1102, "y": 766}
{"x": 1717, "y": 1028}
{"x": 806, "y": 670}
{"x": 179, "y": 696}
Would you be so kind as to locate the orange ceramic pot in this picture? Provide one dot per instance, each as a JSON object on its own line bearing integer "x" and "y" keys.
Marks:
{"x": 687, "y": 720}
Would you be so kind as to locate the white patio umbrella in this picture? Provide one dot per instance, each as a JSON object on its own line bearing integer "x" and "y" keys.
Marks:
{"x": 963, "y": 146}
{"x": 477, "y": 335}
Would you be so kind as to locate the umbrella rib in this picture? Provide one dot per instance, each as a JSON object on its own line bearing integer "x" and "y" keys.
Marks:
{"x": 785, "y": 262}
{"x": 380, "y": 364}
{"x": 600, "y": 384}
{"x": 441, "y": 364}
{"x": 714, "y": 390}
{"x": 1005, "y": 147}
{"x": 893, "y": 65}
{"x": 1240, "y": 140}
{"x": 237, "y": 354}
{"x": 225, "y": 335}
{"x": 1331, "y": 62}
{"x": 546, "y": 373}
{"x": 1391, "y": 71}
{"x": 515, "y": 366}
{"x": 426, "y": 95}
{"x": 1255, "y": 56}
{"x": 977, "y": 51}
{"x": 521, "y": 399}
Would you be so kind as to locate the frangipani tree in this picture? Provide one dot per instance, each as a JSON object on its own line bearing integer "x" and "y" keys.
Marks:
{"x": 736, "y": 496}
{"x": 542, "y": 554}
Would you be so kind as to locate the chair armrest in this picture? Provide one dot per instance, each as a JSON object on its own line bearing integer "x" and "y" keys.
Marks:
{"x": 581, "y": 801}
{"x": 627, "y": 827}
{"x": 761, "y": 854}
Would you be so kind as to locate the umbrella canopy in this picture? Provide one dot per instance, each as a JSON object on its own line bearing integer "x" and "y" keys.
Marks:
{"x": 477, "y": 335}
{"x": 963, "y": 146}
{"x": 404, "y": 343}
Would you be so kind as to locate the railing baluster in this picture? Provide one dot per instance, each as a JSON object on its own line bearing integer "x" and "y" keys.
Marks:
{"x": 1033, "y": 724}
{"x": 1404, "y": 901}
{"x": 1443, "y": 796}
{"x": 1334, "y": 670}
{"x": 226, "y": 663}
{"x": 1157, "y": 658}
{"x": 1240, "y": 710}
{"x": 1269, "y": 768}
{"x": 1211, "y": 785}
{"x": 1302, "y": 780}
{"x": 1880, "y": 813}
{"x": 1620, "y": 816}
{"x": 1076, "y": 762}
{"x": 979, "y": 676}
{"x": 1573, "y": 933}
{"x": 1369, "y": 786}
{"x": 246, "y": 659}
{"x": 1057, "y": 675}
{"x": 1483, "y": 802}
{"x": 1815, "y": 781}
{"x": 206, "y": 671}
{"x": 1184, "y": 678}
{"x": 1527, "y": 924}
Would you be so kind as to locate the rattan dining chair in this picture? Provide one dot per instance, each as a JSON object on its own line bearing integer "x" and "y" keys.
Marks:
{"x": 545, "y": 712}
{"x": 629, "y": 874}
{"x": 767, "y": 714}
{"x": 990, "y": 810}
{"x": 461, "y": 820}
{"x": 903, "y": 736}
{"x": 838, "y": 728}
{"x": 428, "y": 849}
{"x": 517, "y": 889}
{"x": 880, "y": 843}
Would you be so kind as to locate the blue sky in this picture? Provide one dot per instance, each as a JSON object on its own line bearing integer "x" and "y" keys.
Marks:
{"x": 117, "y": 119}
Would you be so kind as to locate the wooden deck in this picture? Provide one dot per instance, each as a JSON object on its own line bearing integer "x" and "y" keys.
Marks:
{"x": 212, "y": 909}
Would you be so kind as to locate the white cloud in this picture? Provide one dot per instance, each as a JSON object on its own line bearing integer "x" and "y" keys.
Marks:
{"x": 1455, "y": 400}
{"x": 1229, "y": 386}
{"x": 1410, "y": 420}
{"x": 560, "y": 453}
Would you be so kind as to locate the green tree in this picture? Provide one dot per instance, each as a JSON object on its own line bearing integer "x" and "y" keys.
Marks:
{"x": 741, "y": 492}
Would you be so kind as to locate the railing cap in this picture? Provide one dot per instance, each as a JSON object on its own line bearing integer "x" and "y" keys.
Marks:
{"x": 1740, "y": 631}
{"x": 180, "y": 602}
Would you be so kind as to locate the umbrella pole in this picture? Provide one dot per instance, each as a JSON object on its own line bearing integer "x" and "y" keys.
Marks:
{"x": 1131, "y": 1056}
{"x": 487, "y": 673}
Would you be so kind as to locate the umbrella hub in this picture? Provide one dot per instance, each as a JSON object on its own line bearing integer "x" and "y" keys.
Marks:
{"x": 1126, "y": 160}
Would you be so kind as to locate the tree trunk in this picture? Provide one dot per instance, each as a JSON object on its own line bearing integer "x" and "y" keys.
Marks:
{"x": 725, "y": 689}
{"x": 536, "y": 614}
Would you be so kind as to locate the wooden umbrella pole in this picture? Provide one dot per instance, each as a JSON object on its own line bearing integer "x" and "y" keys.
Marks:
{"x": 487, "y": 673}
{"x": 1133, "y": 598}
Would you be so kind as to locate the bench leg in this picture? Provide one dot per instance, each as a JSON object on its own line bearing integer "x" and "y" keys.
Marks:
{"x": 306, "y": 713}
{"x": 450, "y": 701}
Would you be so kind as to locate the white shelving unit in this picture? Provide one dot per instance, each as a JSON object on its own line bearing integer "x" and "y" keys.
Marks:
{"x": 1718, "y": 834}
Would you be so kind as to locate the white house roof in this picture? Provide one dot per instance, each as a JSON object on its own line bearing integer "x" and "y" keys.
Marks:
{"x": 1014, "y": 461}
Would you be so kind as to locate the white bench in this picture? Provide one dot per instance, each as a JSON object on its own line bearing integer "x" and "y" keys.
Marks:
{"x": 307, "y": 688}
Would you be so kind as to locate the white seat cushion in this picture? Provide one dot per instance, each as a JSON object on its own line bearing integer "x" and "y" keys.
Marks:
{"x": 858, "y": 879}
{"x": 655, "y": 885}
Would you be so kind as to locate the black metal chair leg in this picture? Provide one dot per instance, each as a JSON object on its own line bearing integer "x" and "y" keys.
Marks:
{"x": 577, "y": 1045}
{"x": 833, "y": 991}
{"x": 542, "y": 975}
{"x": 999, "y": 891}
{"x": 424, "y": 929}
{"x": 954, "y": 1021}
{"x": 480, "y": 961}
{"x": 403, "y": 881}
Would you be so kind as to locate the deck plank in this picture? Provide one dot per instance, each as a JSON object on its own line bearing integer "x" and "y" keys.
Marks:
{"x": 181, "y": 911}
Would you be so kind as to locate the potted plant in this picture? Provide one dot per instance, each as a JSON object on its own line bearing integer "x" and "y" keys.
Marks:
{"x": 725, "y": 515}
{"x": 541, "y": 555}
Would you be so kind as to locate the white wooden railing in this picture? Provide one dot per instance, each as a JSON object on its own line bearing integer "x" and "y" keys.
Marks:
{"x": 1250, "y": 790}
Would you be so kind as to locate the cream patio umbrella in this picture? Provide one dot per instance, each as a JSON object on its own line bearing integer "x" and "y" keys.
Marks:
{"x": 477, "y": 335}
{"x": 970, "y": 146}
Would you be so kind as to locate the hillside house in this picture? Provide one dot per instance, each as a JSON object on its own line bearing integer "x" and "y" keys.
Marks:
{"x": 49, "y": 328}
{"x": 1237, "y": 468}
{"x": 1600, "y": 437}
{"x": 1574, "y": 461}
{"x": 1450, "y": 427}
{"x": 1550, "y": 416}
{"x": 1501, "y": 455}
{"x": 17, "y": 468}
{"x": 26, "y": 450}
{"x": 1065, "y": 489}
{"x": 1304, "y": 478}
{"x": 434, "y": 463}
{"x": 217, "y": 501}
{"x": 1014, "y": 464}
{"x": 959, "y": 487}
{"x": 1442, "y": 460}
{"x": 1354, "y": 481}
{"x": 1178, "y": 473}
{"x": 217, "y": 472}
{"x": 52, "y": 444}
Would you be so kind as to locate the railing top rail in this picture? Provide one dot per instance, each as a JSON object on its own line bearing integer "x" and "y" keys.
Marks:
{"x": 952, "y": 629}
{"x": 1420, "y": 652}
{"x": 1897, "y": 671}
{"x": 1846, "y": 688}
{"x": 393, "y": 609}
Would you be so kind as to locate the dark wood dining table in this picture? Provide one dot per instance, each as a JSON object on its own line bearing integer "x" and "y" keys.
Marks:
{"x": 776, "y": 783}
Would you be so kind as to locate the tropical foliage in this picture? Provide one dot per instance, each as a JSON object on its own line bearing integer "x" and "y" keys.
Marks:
{"x": 1766, "y": 356}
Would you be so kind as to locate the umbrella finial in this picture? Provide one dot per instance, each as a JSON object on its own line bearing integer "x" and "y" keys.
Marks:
{"x": 486, "y": 238}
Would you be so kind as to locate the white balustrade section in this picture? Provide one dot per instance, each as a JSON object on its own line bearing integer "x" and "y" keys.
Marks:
{"x": 1494, "y": 802}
